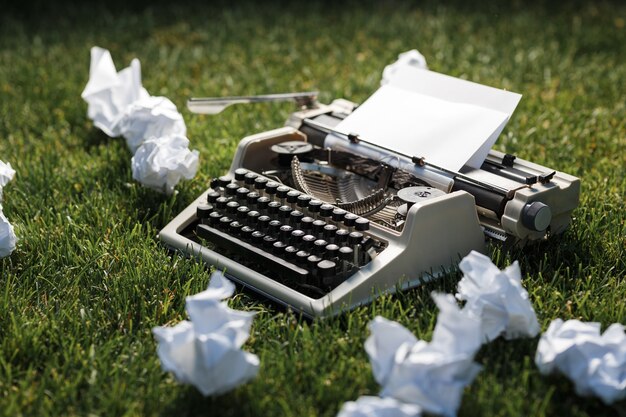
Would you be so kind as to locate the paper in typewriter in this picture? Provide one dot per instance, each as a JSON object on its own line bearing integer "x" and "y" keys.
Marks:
{"x": 449, "y": 121}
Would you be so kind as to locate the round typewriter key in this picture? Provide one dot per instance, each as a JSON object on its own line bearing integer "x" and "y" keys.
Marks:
{"x": 303, "y": 200}
{"x": 341, "y": 236}
{"x": 250, "y": 177}
{"x": 296, "y": 237}
{"x": 262, "y": 202}
{"x": 312, "y": 262}
{"x": 271, "y": 188}
{"x": 306, "y": 223}
{"x": 355, "y": 238}
{"x": 203, "y": 210}
{"x": 326, "y": 210}
{"x": 223, "y": 181}
{"x": 231, "y": 207}
{"x": 339, "y": 214}
{"x": 273, "y": 227}
{"x": 253, "y": 218}
{"x": 295, "y": 217}
{"x": 301, "y": 257}
{"x": 284, "y": 212}
{"x": 281, "y": 192}
{"x": 319, "y": 246}
{"x": 318, "y": 227}
{"x": 268, "y": 241}
{"x": 290, "y": 253}
{"x": 292, "y": 196}
{"x": 240, "y": 174}
{"x": 314, "y": 206}
{"x": 361, "y": 224}
{"x": 349, "y": 219}
{"x": 257, "y": 237}
{"x": 252, "y": 197}
{"x": 325, "y": 270}
{"x": 260, "y": 183}
{"x": 246, "y": 232}
{"x": 224, "y": 222}
{"x": 235, "y": 228}
{"x": 307, "y": 241}
{"x": 272, "y": 207}
{"x": 220, "y": 203}
{"x": 263, "y": 222}
{"x": 215, "y": 183}
{"x": 212, "y": 197}
{"x": 242, "y": 193}
{"x": 346, "y": 253}
{"x": 332, "y": 251}
{"x": 242, "y": 212}
{"x": 279, "y": 247}
{"x": 214, "y": 218}
{"x": 285, "y": 232}
{"x": 231, "y": 189}
{"x": 329, "y": 231}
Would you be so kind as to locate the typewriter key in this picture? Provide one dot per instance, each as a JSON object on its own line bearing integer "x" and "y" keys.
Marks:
{"x": 296, "y": 237}
{"x": 231, "y": 207}
{"x": 240, "y": 174}
{"x": 329, "y": 232}
{"x": 325, "y": 271}
{"x": 279, "y": 247}
{"x": 214, "y": 218}
{"x": 242, "y": 193}
{"x": 261, "y": 203}
{"x": 285, "y": 232}
{"x": 215, "y": 183}
{"x": 246, "y": 232}
{"x": 257, "y": 237}
{"x": 274, "y": 227}
{"x": 253, "y": 218}
{"x": 203, "y": 210}
{"x": 349, "y": 219}
{"x": 307, "y": 241}
{"x": 212, "y": 197}
{"x": 301, "y": 257}
{"x": 281, "y": 192}
{"x": 223, "y": 181}
{"x": 260, "y": 183}
{"x": 295, "y": 218}
{"x": 271, "y": 187}
{"x": 312, "y": 262}
{"x": 314, "y": 206}
{"x": 231, "y": 189}
{"x": 263, "y": 222}
{"x": 326, "y": 210}
{"x": 319, "y": 247}
{"x": 332, "y": 251}
{"x": 272, "y": 207}
{"x": 303, "y": 200}
{"x": 306, "y": 223}
{"x": 250, "y": 177}
{"x": 290, "y": 253}
{"x": 318, "y": 227}
{"x": 284, "y": 212}
{"x": 339, "y": 214}
{"x": 268, "y": 241}
{"x": 361, "y": 224}
{"x": 292, "y": 196}
{"x": 224, "y": 222}
{"x": 242, "y": 212}
{"x": 251, "y": 198}
{"x": 346, "y": 255}
{"x": 220, "y": 203}
{"x": 341, "y": 236}
{"x": 235, "y": 228}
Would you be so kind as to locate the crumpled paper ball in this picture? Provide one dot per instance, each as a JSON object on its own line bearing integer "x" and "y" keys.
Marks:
{"x": 431, "y": 375}
{"x": 410, "y": 58}
{"x": 7, "y": 173}
{"x": 497, "y": 298}
{"x": 7, "y": 236}
{"x": 152, "y": 126}
{"x": 594, "y": 362}
{"x": 367, "y": 406}
{"x": 160, "y": 163}
{"x": 206, "y": 351}
{"x": 109, "y": 92}
{"x": 150, "y": 117}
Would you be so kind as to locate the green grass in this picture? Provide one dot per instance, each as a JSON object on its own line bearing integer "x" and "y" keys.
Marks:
{"x": 89, "y": 279}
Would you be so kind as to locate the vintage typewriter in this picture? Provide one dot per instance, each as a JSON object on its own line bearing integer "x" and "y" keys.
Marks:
{"x": 323, "y": 221}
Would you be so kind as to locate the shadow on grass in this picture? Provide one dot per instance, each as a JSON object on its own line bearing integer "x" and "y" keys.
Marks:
{"x": 192, "y": 403}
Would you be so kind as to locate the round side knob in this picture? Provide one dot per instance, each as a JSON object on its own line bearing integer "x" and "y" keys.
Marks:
{"x": 536, "y": 216}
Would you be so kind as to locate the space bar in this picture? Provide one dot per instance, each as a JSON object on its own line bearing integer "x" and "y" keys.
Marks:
{"x": 271, "y": 262}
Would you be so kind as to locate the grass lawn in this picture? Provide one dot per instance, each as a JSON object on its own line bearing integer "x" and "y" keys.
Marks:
{"x": 88, "y": 281}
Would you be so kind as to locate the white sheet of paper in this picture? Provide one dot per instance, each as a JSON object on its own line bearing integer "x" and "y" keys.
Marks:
{"x": 497, "y": 298}
{"x": 206, "y": 351}
{"x": 7, "y": 236}
{"x": 6, "y": 175}
{"x": 448, "y": 121}
{"x": 594, "y": 362}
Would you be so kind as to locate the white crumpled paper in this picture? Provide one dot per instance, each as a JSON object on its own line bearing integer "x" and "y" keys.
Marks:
{"x": 160, "y": 163}
{"x": 594, "y": 362}
{"x": 367, "y": 406}
{"x": 431, "y": 375}
{"x": 206, "y": 351}
{"x": 7, "y": 234}
{"x": 6, "y": 175}
{"x": 497, "y": 298}
{"x": 119, "y": 105}
{"x": 410, "y": 58}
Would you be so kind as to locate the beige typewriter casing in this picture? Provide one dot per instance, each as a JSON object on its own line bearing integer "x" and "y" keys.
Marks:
{"x": 437, "y": 233}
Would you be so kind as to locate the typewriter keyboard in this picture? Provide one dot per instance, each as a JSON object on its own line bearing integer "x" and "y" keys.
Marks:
{"x": 291, "y": 237}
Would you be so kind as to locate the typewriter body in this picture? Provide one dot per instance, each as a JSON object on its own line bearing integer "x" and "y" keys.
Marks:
{"x": 323, "y": 221}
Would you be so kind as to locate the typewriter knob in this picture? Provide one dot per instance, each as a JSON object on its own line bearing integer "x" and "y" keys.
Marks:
{"x": 240, "y": 174}
{"x": 536, "y": 216}
{"x": 287, "y": 150}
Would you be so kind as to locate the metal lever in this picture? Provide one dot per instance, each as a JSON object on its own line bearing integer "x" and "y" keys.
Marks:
{"x": 215, "y": 105}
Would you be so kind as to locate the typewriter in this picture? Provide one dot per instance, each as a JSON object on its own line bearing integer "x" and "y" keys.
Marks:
{"x": 322, "y": 221}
